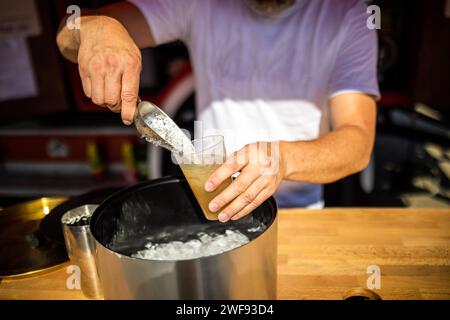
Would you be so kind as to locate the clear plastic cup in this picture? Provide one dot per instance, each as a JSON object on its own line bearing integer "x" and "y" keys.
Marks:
{"x": 209, "y": 155}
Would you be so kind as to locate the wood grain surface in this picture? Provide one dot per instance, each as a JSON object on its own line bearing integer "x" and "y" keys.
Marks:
{"x": 323, "y": 254}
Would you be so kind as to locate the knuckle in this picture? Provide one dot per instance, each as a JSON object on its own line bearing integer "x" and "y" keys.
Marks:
{"x": 97, "y": 101}
{"x": 82, "y": 69}
{"x": 254, "y": 204}
{"x": 111, "y": 103}
{"x": 128, "y": 96}
{"x": 238, "y": 158}
{"x": 247, "y": 197}
{"x": 235, "y": 166}
{"x": 95, "y": 65}
{"x": 232, "y": 210}
{"x": 87, "y": 92}
{"x": 239, "y": 186}
{"x": 265, "y": 162}
{"x": 251, "y": 206}
{"x": 132, "y": 61}
{"x": 111, "y": 60}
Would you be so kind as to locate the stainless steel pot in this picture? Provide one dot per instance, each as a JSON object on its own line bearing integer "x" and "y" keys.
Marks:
{"x": 164, "y": 210}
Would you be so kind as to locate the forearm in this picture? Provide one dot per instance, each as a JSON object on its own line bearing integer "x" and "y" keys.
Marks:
{"x": 262, "y": 168}
{"x": 113, "y": 21}
{"x": 337, "y": 154}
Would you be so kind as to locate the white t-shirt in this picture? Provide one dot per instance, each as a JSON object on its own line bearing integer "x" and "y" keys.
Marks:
{"x": 261, "y": 79}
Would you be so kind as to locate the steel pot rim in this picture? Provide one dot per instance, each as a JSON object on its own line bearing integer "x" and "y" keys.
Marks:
{"x": 166, "y": 180}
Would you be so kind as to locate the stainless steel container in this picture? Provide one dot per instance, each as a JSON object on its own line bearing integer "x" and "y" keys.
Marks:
{"x": 165, "y": 210}
{"x": 80, "y": 247}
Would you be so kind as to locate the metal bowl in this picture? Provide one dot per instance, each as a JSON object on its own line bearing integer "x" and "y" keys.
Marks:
{"x": 165, "y": 210}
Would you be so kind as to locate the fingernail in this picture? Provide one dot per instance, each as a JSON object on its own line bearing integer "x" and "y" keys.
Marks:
{"x": 213, "y": 206}
{"x": 209, "y": 186}
{"x": 235, "y": 217}
{"x": 126, "y": 122}
{"x": 223, "y": 217}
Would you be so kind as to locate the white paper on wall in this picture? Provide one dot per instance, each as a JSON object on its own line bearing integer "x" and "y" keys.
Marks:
{"x": 17, "y": 78}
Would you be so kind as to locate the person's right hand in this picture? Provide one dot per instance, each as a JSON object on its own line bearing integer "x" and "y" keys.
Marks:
{"x": 109, "y": 63}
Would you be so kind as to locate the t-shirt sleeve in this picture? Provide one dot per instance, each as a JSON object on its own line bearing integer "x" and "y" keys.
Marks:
{"x": 169, "y": 20}
{"x": 355, "y": 69}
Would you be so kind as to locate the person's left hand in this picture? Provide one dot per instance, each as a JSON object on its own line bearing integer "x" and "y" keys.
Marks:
{"x": 261, "y": 172}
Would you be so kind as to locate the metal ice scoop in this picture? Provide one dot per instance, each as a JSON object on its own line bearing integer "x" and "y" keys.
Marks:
{"x": 157, "y": 127}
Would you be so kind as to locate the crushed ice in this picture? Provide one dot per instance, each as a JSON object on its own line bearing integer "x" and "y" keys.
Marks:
{"x": 205, "y": 245}
{"x": 169, "y": 132}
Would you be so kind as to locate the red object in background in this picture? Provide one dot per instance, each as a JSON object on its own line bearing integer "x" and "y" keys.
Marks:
{"x": 184, "y": 72}
{"x": 394, "y": 98}
{"x": 64, "y": 146}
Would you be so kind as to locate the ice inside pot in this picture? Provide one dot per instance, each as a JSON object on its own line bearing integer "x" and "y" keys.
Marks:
{"x": 161, "y": 220}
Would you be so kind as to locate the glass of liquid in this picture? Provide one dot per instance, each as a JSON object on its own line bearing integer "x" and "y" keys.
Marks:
{"x": 198, "y": 166}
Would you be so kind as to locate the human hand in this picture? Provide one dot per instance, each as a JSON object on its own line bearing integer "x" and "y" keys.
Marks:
{"x": 261, "y": 172}
{"x": 109, "y": 63}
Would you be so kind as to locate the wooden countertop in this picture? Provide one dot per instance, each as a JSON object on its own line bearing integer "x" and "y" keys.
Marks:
{"x": 323, "y": 254}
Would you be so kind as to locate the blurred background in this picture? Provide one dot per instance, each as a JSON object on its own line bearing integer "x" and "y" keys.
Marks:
{"x": 55, "y": 142}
